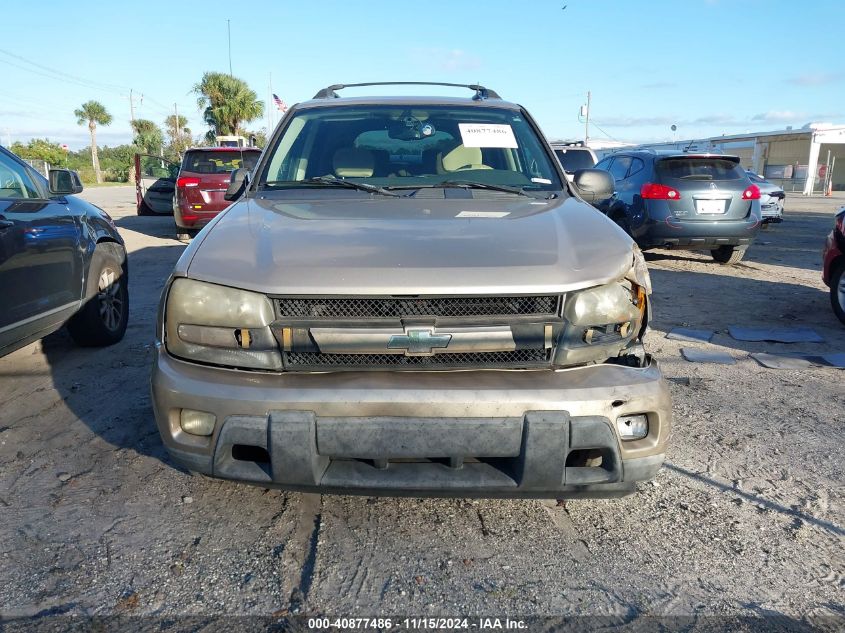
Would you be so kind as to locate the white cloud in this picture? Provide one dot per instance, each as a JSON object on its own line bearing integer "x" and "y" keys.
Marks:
{"x": 446, "y": 59}
{"x": 779, "y": 116}
{"x": 815, "y": 79}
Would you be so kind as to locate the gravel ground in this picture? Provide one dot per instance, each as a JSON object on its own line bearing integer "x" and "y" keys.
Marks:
{"x": 746, "y": 518}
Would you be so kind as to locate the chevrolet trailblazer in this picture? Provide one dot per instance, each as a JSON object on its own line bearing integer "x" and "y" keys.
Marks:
{"x": 409, "y": 298}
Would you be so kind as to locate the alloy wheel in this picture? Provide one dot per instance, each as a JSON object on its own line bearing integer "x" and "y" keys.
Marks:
{"x": 108, "y": 295}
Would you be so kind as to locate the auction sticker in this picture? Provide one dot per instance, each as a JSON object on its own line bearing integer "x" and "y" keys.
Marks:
{"x": 487, "y": 135}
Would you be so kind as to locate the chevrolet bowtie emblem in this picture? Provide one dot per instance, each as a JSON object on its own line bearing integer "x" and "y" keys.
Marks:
{"x": 419, "y": 342}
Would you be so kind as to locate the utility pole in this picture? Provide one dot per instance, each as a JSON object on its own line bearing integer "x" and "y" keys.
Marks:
{"x": 587, "y": 121}
{"x": 229, "y": 33}
{"x": 132, "y": 104}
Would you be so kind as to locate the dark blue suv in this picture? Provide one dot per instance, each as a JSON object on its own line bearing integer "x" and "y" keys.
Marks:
{"x": 673, "y": 199}
{"x": 61, "y": 261}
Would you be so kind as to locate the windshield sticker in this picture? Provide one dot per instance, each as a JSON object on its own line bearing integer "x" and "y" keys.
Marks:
{"x": 482, "y": 214}
{"x": 487, "y": 135}
{"x": 542, "y": 181}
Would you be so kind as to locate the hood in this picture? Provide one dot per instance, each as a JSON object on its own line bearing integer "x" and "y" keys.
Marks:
{"x": 348, "y": 245}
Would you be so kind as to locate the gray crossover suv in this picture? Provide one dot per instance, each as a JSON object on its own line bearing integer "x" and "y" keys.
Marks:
{"x": 408, "y": 298}
{"x": 672, "y": 199}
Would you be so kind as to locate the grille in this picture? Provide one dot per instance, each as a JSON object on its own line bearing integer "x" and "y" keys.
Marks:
{"x": 479, "y": 360}
{"x": 356, "y": 308}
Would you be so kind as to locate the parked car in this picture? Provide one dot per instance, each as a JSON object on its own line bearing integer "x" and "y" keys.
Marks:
{"x": 202, "y": 181}
{"x": 574, "y": 155}
{"x": 409, "y": 298}
{"x": 772, "y": 199}
{"x": 833, "y": 258}
{"x": 62, "y": 261}
{"x": 671, "y": 199}
{"x": 155, "y": 184}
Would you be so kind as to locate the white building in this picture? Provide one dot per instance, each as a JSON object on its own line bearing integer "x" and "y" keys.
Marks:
{"x": 805, "y": 160}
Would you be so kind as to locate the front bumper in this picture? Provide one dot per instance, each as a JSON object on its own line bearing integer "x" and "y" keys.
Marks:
{"x": 460, "y": 434}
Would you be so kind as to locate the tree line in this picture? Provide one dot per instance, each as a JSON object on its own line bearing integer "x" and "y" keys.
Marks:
{"x": 227, "y": 104}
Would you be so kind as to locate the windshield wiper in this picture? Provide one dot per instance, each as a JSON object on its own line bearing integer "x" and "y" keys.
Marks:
{"x": 332, "y": 181}
{"x": 466, "y": 184}
{"x": 349, "y": 184}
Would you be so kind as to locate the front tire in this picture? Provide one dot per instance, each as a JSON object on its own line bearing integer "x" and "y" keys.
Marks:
{"x": 729, "y": 254}
{"x": 102, "y": 320}
{"x": 837, "y": 291}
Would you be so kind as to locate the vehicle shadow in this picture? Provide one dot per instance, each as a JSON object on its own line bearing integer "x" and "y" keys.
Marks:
{"x": 712, "y": 301}
{"x": 108, "y": 388}
{"x": 160, "y": 226}
{"x": 755, "y": 498}
{"x": 795, "y": 243}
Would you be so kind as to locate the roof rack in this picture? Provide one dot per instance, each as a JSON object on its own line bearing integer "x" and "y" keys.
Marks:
{"x": 480, "y": 91}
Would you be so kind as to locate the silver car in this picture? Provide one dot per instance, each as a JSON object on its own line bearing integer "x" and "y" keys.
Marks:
{"x": 772, "y": 198}
{"x": 408, "y": 298}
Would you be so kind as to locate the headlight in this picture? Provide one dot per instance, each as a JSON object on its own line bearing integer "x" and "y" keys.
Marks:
{"x": 602, "y": 322}
{"x": 610, "y": 304}
{"x": 224, "y": 326}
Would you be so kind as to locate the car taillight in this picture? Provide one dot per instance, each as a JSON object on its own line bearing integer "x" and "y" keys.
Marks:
{"x": 752, "y": 193}
{"x": 187, "y": 182}
{"x": 653, "y": 191}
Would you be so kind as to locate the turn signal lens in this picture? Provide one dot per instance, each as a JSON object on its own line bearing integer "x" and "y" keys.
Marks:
{"x": 752, "y": 193}
{"x": 653, "y": 191}
{"x": 632, "y": 427}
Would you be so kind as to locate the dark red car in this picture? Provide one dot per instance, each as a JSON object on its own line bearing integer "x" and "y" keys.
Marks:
{"x": 202, "y": 181}
{"x": 834, "y": 264}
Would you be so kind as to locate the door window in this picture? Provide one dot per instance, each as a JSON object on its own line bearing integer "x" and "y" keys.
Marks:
{"x": 619, "y": 168}
{"x": 15, "y": 182}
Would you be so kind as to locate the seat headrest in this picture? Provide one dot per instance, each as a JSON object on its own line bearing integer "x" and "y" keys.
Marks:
{"x": 351, "y": 162}
{"x": 461, "y": 156}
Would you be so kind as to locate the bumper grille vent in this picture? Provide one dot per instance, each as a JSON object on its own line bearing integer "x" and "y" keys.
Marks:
{"x": 517, "y": 359}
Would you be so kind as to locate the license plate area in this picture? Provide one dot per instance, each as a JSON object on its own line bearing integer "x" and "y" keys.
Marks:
{"x": 710, "y": 207}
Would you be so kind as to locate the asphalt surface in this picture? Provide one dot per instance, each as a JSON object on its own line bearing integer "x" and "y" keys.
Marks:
{"x": 746, "y": 519}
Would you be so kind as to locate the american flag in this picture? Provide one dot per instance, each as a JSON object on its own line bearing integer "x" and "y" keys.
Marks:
{"x": 281, "y": 105}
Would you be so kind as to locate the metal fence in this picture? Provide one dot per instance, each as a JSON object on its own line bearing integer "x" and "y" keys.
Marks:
{"x": 41, "y": 166}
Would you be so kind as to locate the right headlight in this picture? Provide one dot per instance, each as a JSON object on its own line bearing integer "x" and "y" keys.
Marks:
{"x": 603, "y": 321}
{"x": 220, "y": 325}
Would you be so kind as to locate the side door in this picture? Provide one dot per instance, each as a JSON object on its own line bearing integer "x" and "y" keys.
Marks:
{"x": 155, "y": 184}
{"x": 41, "y": 253}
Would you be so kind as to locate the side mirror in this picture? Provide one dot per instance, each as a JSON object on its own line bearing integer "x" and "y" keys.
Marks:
{"x": 237, "y": 183}
{"x": 594, "y": 185}
{"x": 64, "y": 182}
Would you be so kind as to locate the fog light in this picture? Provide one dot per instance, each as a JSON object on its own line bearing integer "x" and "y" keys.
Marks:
{"x": 632, "y": 427}
{"x": 197, "y": 422}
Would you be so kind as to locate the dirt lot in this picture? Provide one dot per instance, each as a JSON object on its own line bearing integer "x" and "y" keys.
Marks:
{"x": 747, "y": 517}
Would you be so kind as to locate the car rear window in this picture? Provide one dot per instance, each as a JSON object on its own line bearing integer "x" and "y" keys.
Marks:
{"x": 574, "y": 159}
{"x": 217, "y": 162}
{"x": 699, "y": 169}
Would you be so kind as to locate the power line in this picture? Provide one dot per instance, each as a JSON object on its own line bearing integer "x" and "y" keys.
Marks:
{"x": 62, "y": 73}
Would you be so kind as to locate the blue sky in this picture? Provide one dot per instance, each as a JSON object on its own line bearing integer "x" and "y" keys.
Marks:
{"x": 707, "y": 66}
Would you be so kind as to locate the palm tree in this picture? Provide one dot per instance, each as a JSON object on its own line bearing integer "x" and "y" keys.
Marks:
{"x": 148, "y": 136}
{"x": 93, "y": 112}
{"x": 227, "y": 102}
{"x": 179, "y": 133}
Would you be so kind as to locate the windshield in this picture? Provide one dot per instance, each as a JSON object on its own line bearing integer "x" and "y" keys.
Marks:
{"x": 410, "y": 147}
{"x": 574, "y": 159}
{"x": 217, "y": 162}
